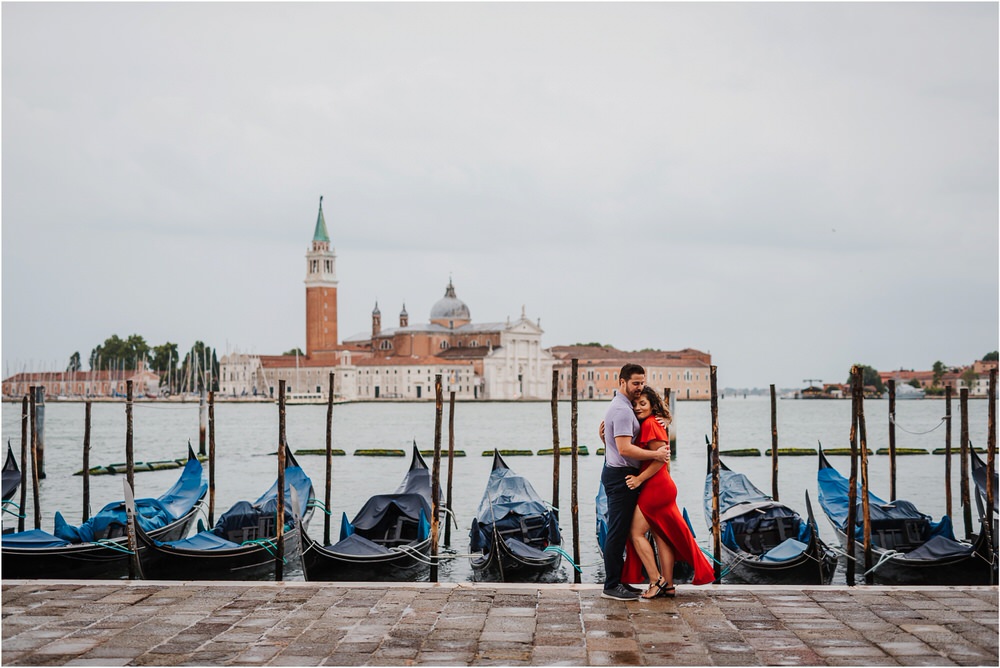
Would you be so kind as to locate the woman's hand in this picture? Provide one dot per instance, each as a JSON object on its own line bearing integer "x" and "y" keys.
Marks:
{"x": 632, "y": 482}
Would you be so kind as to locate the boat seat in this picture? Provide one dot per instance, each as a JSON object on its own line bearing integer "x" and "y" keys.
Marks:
{"x": 265, "y": 528}
{"x": 901, "y": 535}
{"x": 403, "y": 532}
{"x": 771, "y": 533}
{"x": 534, "y": 530}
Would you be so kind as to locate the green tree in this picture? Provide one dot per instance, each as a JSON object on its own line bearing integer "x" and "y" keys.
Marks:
{"x": 74, "y": 362}
{"x": 914, "y": 383}
{"x": 969, "y": 377}
{"x": 869, "y": 376}
{"x": 294, "y": 351}
{"x": 117, "y": 353}
{"x": 938, "y": 373}
{"x": 164, "y": 360}
{"x": 992, "y": 357}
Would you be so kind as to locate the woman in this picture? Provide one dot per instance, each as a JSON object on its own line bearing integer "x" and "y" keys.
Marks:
{"x": 657, "y": 511}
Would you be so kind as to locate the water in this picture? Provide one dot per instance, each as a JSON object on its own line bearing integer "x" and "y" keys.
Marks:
{"x": 247, "y": 434}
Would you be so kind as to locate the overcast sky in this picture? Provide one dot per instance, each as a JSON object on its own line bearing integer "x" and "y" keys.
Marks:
{"x": 791, "y": 187}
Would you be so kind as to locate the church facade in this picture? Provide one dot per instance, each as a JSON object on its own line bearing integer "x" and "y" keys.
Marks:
{"x": 492, "y": 360}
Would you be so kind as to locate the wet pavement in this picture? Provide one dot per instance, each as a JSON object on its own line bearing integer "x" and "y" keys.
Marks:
{"x": 119, "y": 623}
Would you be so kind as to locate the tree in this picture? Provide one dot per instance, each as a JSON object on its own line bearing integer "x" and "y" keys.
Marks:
{"x": 294, "y": 351}
{"x": 969, "y": 377}
{"x": 199, "y": 370}
{"x": 914, "y": 383}
{"x": 938, "y": 373}
{"x": 117, "y": 353}
{"x": 992, "y": 357}
{"x": 74, "y": 362}
{"x": 164, "y": 360}
{"x": 869, "y": 376}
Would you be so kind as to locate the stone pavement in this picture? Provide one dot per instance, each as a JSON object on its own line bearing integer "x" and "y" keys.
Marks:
{"x": 117, "y": 623}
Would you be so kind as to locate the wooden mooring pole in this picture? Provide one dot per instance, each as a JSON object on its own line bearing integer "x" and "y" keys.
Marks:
{"x": 574, "y": 502}
{"x": 774, "y": 444}
{"x": 866, "y": 518}
{"x": 451, "y": 467}
{"x": 86, "y": 463}
{"x": 201, "y": 422}
{"x": 963, "y": 405}
{"x": 714, "y": 453}
{"x": 947, "y": 451}
{"x": 554, "y": 404}
{"x": 852, "y": 485}
{"x": 22, "y": 509}
{"x": 133, "y": 572}
{"x": 991, "y": 451}
{"x": 329, "y": 463}
{"x": 892, "y": 440}
{"x": 279, "y": 520}
{"x": 211, "y": 459}
{"x": 436, "y": 476}
{"x": 34, "y": 460}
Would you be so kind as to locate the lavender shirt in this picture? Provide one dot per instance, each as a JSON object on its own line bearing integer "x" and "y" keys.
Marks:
{"x": 620, "y": 420}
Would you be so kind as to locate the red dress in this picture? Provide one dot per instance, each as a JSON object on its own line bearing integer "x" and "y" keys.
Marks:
{"x": 658, "y": 504}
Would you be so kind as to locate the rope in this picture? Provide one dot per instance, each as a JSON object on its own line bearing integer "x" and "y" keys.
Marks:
{"x": 316, "y": 503}
{"x": 553, "y": 548}
{"x": 268, "y": 544}
{"x": 886, "y": 556}
{"x": 892, "y": 419}
{"x": 111, "y": 545}
{"x": 13, "y": 512}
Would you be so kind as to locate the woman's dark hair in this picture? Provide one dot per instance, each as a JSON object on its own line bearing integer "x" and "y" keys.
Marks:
{"x": 655, "y": 403}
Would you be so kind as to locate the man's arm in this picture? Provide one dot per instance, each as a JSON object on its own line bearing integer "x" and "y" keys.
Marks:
{"x": 626, "y": 449}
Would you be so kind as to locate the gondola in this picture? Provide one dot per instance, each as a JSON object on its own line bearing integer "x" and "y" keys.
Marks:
{"x": 11, "y": 475}
{"x": 515, "y": 535}
{"x": 388, "y": 539}
{"x": 98, "y": 547}
{"x": 979, "y": 473}
{"x": 764, "y": 541}
{"x": 907, "y": 547}
{"x": 683, "y": 571}
{"x": 241, "y": 545}
{"x": 11, "y": 481}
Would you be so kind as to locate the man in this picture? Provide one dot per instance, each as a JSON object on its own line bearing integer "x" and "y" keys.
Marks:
{"x": 622, "y": 458}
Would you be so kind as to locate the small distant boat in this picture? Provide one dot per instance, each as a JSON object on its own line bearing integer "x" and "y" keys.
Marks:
{"x": 764, "y": 541}
{"x": 907, "y": 547}
{"x": 301, "y": 398}
{"x": 389, "y": 538}
{"x": 98, "y": 547}
{"x": 906, "y": 391}
{"x": 515, "y": 535}
{"x": 242, "y": 544}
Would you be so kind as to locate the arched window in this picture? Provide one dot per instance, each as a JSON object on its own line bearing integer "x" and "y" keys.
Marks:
{"x": 474, "y": 343}
{"x": 444, "y": 345}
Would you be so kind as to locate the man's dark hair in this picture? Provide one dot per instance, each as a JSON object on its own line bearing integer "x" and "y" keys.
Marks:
{"x": 630, "y": 370}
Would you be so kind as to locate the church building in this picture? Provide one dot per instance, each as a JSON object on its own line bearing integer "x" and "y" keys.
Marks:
{"x": 494, "y": 360}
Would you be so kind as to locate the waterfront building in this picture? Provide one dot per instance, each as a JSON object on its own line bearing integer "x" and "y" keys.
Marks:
{"x": 493, "y": 360}
{"x": 89, "y": 384}
{"x": 686, "y": 372}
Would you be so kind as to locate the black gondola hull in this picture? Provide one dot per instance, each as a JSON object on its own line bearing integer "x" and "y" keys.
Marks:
{"x": 812, "y": 567}
{"x": 87, "y": 560}
{"x": 501, "y": 564}
{"x": 321, "y": 564}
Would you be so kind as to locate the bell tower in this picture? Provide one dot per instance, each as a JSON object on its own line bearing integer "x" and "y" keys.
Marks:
{"x": 321, "y": 291}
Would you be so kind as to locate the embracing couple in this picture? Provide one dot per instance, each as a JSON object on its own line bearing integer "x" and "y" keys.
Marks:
{"x": 642, "y": 497}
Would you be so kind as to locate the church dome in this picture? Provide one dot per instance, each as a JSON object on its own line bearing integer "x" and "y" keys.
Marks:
{"x": 450, "y": 307}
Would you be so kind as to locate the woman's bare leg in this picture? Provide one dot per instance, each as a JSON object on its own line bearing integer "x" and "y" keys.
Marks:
{"x": 665, "y": 552}
{"x": 637, "y": 533}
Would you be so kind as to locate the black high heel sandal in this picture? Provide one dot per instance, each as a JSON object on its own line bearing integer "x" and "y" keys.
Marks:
{"x": 666, "y": 592}
{"x": 659, "y": 585}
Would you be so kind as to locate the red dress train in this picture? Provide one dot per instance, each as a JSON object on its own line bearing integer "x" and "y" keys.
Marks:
{"x": 658, "y": 504}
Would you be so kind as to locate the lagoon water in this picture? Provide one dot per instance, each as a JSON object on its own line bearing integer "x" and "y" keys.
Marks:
{"x": 246, "y": 437}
